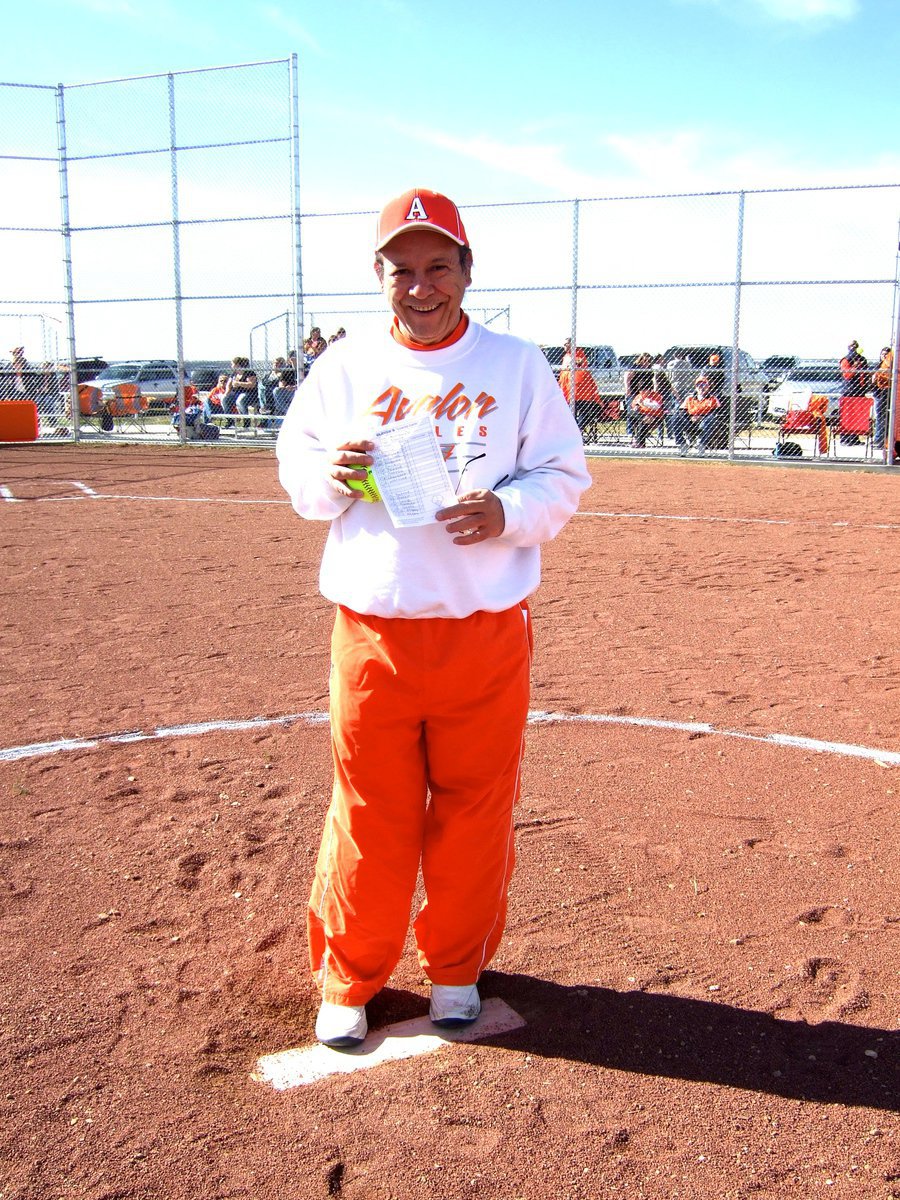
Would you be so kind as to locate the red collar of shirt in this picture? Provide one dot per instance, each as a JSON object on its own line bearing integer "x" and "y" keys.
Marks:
{"x": 399, "y": 336}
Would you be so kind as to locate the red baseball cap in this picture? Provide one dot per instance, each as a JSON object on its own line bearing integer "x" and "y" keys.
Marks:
{"x": 420, "y": 208}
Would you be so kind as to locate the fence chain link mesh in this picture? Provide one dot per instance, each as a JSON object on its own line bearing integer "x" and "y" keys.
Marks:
{"x": 155, "y": 223}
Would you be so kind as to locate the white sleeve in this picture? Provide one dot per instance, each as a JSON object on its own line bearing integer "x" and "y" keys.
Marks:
{"x": 551, "y": 472}
{"x": 303, "y": 449}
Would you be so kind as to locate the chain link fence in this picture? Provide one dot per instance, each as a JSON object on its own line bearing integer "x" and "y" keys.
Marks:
{"x": 155, "y": 223}
{"x": 776, "y": 283}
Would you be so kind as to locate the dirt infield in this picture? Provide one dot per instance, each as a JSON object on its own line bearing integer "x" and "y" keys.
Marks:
{"x": 704, "y": 919}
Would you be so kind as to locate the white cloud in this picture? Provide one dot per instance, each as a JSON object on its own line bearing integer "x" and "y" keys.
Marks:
{"x": 795, "y": 11}
{"x": 806, "y": 10}
{"x": 645, "y": 163}
{"x": 540, "y": 163}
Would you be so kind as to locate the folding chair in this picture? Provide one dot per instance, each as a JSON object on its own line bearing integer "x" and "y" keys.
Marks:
{"x": 90, "y": 405}
{"x": 128, "y": 406}
{"x": 854, "y": 420}
{"x": 812, "y": 419}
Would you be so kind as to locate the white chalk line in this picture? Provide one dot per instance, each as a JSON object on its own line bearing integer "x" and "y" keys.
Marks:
{"x": 535, "y": 717}
{"x": 89, "y": 493}
{"x": 41, "y": 749}
{"x": 643, "y": 516}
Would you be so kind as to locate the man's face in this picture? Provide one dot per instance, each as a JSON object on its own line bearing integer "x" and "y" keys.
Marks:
{"x": 424, "y": 283}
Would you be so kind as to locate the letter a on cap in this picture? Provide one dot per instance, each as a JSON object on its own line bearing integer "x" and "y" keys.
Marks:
{"x": 417, "y": 211}
{"x": 408, "y": 211}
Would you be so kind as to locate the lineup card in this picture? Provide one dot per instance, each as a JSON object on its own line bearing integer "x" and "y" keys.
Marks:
{"x": 411, "y": 474}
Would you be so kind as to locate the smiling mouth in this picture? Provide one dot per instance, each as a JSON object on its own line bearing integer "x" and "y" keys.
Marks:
{"x": 431, "y": 309}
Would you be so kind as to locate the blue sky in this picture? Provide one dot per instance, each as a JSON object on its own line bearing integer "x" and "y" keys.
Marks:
{"x": 530, "y": 100}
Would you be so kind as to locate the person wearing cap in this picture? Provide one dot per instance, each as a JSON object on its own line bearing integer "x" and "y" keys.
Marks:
{"x": 583, "y": 398}
{"x": 855, "y": 381}
{"x": 432, "y": 640}
{"x": 854, "y": 371}
{"x": 700, "y": 408}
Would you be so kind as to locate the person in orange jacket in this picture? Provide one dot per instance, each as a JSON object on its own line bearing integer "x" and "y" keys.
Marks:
{"x": 583, "y": 399}
{"x": 432, "y": 637}
{"x": 701, "y": 409}
{"x": 888, "y": 377}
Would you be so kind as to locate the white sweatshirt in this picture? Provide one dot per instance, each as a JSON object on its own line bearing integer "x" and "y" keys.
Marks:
{"x": 503, "y": 424}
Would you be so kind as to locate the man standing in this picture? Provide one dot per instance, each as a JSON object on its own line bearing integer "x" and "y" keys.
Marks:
{"x": 855, "y": 376}
{"x": 854, "y": 371}
{"x": 432, "y": 639}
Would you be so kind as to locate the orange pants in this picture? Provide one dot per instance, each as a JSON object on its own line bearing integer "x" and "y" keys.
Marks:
{"x": 427, "y": 721}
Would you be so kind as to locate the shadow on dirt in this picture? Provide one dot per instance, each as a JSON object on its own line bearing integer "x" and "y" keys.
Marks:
{"x": 702, "y": 1041}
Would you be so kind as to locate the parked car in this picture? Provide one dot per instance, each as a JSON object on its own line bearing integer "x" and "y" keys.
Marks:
{"x": 751, "y": 382}
{"x": 86, "y": 368}
{"x": 777, "y": 367}
{"x": 156, "y": 377}
{"x": 805, "y": 380}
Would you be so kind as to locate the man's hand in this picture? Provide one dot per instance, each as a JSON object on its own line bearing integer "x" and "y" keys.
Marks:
{"x": 346, "y": 462}
{"x": 475, "y": 518}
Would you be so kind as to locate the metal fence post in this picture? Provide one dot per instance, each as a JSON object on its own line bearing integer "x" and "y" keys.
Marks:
{"x": 66, "y": 231}
{"x": 295, "y": 189}
{"x": 176, "y": 262}
{"x": 736, "y": 329}
{"x": 574, "y": 333}
{"x": 890, "y": 440}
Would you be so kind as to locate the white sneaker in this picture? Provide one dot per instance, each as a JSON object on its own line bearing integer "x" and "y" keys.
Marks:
{"x": 341, "y": 1026}
{"x": 452, "y": 1006}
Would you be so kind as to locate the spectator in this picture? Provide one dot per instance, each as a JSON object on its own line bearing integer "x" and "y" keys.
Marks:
{"x": 637, "y": 380}
{"x": 431, "y": 641}
{"x": 48, "y": 396}
{"x": 212, "y": 405}
{"x": 881, "y": 390}
{"x": 284, "y": 393}
{"x": 682, "y": 376}
{"x": 890, "y": 446}
{"x": 271, "y": 381}
{"x": 20, "y": 382}
{"x": 585, "y": 403}
{"x": 700, "y": 407}
{"x": 854, "y": 371}
{"x": 662, "y": 384}
{"x": 314, "y": 345}
{"x": 855, "y": 381}
{"x": 241, "y": 391}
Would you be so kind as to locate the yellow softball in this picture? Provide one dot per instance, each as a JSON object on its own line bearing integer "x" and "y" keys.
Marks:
{"x": 368, "y": 487}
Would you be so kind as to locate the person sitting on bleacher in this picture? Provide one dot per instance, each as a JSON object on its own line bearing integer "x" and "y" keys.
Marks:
{"x": 283, "y": 393}
{"x": 700, "y": 411}
{"x": 212, "y": 405}
{"x": 241, "y": 391}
